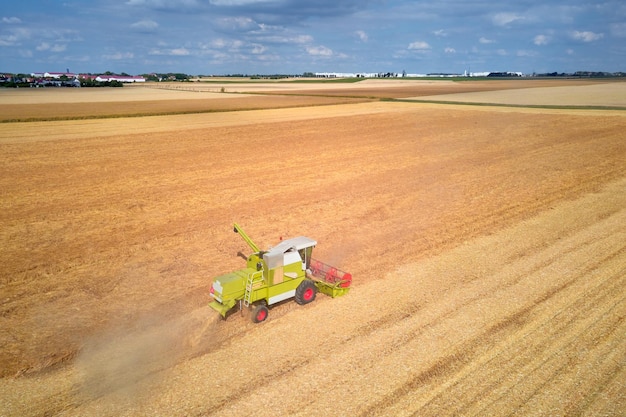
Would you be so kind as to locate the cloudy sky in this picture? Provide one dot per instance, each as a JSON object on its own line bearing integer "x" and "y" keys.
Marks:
{"x": 296, "y": 36}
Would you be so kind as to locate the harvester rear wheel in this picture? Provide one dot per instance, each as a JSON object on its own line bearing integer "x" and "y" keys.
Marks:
{"x": 260, "y": 313}
{"x": 306, "y": 291}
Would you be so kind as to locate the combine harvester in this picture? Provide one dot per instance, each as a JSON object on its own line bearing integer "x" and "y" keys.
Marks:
{"x": 280, "y": 273}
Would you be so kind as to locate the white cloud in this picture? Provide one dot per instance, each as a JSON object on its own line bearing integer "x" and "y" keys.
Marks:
{"x": 541, "y": 40}
{"x": 16, "y": 37}
{"x": 504, "y": 19}
{"x": 526, "y": 53}
{"x": 239, "y": 23}
{"x": 361, "y": 35}
{"x": 218, "y": 43}
{"x": 119, "y": 55}
{"x": 302, "y": 39}
{"x": 319, "y": 51}
{"x": 145, "y": 25}
{"x": 62, "y": 35}
{"x": 164, "y": 4}
{"x": 237, "y": 2}
{"x": 258, "y": 49}
{"x": 11, "y": 20}
{"x": 170, "y": 52}
{"x": 450, "y": 51}
{"x": 180, "y": 52}
{"x": 286, "y": 39}
{"x": 45, "y": 46}
{"x": 440, "y": 32}
{"x": 419, "y": 45}
{"x": 266, "y": 28}
{"x": 619, "y": 30}
{"x": 587, "y": 36}
{"x": 6, "y": 41}
{"x": 485, "y": 40}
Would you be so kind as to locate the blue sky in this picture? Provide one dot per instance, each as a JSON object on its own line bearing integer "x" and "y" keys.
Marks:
{"x": 296, "y": 36}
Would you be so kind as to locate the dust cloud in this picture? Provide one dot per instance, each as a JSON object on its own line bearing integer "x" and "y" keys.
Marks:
{"x": 125, "y": 361}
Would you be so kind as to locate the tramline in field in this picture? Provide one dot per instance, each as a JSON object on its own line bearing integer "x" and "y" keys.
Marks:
{"x": 282, "y": 272}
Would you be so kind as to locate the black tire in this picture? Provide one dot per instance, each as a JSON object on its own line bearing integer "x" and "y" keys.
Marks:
{"x": 306, "y": 291}
{"x": 260, "y": 313}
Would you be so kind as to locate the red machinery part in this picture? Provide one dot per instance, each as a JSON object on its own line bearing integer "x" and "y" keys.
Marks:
{"x": 347, "y": 280}
{"x": 330, "y": 274}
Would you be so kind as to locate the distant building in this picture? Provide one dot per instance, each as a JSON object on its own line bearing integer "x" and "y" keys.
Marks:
{"x": 121, "y": 78}
{"x": 54, "y": 75}
{"x": 505, "y": 74}
{"x": 496, "y": 74}
{"x": 399, "y": 75}
{"x": 100, "y": 78}
{"x": 357, "y": 75}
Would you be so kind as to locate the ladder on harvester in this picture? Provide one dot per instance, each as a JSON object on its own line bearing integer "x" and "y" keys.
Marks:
{"x": 253, "y": 279}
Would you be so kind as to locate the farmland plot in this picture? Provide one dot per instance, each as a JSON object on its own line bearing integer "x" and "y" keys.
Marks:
{"x": 487, "y": 246}
{"x": 601, "y": 95}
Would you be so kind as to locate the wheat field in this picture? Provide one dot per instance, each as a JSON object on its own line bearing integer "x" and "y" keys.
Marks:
{"x": 487, "y": 246}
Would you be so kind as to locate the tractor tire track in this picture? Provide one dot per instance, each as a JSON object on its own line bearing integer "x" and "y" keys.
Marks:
{"x": 536, "y": 341}
{"x": 606, "y": 294}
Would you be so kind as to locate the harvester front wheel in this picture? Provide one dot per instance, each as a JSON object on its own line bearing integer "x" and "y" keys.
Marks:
{"x": 260, "y": 313}
{"x": 306, "y": 291}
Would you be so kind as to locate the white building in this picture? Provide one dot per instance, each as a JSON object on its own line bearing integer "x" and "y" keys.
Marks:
{"x": 55, "y": 75}
{"x": 121, "y": 78}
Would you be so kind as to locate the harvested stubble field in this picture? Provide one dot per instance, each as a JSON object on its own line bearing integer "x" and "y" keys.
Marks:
{"x": 487, "y": 244}
{"x": 34, "y": 105}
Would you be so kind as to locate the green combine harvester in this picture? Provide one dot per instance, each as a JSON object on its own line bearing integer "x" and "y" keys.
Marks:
{"x": 282, "y": 272}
